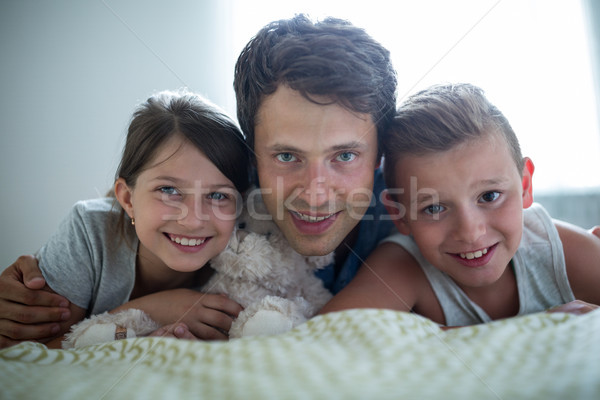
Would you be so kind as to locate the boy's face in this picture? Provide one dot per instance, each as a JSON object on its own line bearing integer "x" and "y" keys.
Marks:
{"x": 315, "y": 166}
{"x": 464, "y": 208}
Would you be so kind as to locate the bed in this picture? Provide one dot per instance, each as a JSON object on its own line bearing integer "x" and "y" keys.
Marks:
{"x": 354, "y": 354}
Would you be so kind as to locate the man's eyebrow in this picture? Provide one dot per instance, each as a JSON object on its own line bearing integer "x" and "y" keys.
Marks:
{"x": 353, "y": 145}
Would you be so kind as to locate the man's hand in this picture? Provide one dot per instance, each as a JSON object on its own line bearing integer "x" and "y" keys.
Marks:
{"x": 28, "y": 310}
{"x": 576, "y": 307}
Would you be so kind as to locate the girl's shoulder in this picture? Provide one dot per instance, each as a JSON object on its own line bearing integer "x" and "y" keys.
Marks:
{"x": 103, "y": 208}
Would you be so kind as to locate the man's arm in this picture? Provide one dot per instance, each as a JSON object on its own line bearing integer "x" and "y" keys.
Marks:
{"x": 29, "y": 310}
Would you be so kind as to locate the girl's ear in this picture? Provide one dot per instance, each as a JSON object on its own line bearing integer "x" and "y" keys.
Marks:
{"x": 123, "y": 194}
{"x": 528, "y": 169}
{"x": 397, "y": 212}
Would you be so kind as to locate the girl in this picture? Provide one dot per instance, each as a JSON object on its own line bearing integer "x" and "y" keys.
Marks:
{"x": 176, "y": 197}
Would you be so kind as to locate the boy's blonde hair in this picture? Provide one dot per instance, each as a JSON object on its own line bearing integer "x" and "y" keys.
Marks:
{"x": 441, "y": 117}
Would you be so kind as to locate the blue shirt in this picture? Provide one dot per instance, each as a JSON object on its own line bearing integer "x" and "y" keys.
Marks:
{"x": 374, "y": 227}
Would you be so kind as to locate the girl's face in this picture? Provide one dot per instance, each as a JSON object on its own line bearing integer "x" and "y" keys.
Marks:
{"x": 184, "y": 208}
{"x": 464, "y": 208}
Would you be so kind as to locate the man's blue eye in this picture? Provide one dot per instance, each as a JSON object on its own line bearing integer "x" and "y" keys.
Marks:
{"x": 286, "y": 157}
{"x": 488, "y": 197}
{"x": 346, "y": 156}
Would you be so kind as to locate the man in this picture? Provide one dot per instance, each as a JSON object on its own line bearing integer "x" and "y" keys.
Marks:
{"x": 313, "y": 100}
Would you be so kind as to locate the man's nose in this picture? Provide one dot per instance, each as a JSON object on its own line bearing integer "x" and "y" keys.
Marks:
{"x": 316, "y": 184}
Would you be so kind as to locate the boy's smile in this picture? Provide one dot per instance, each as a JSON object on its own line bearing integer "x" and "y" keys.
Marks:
{"x": 468, "y": 204}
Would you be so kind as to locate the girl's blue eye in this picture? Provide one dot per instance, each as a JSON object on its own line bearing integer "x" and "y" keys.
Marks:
{"x": 217, "y": 196}
{"x": 346, "y": 156}
{"x": 169, "y": 190}
{"x": 434, "y": 209}
{"x": 488, "y": 197}
{"x": 286, "y": 157}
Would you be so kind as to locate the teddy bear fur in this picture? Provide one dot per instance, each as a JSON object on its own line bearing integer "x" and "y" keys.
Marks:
{"x": 258, "y": 269}
{"x": 262, "y": 272}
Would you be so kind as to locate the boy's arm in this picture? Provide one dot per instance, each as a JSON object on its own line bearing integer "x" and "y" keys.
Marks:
{"x": 582, "y": 257}
{"x": 389, "y": 278}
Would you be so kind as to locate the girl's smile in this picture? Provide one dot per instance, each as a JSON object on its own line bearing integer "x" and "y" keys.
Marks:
{"x": 184, "y": 208}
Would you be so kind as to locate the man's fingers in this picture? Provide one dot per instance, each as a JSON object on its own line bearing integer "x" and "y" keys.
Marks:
{"x": 577, "y": 307}
{"x": 32, "y": 276}
{"x": 33, "y": 314}
{"x": 12, "y": 331}
{"x": 17, "y": 293}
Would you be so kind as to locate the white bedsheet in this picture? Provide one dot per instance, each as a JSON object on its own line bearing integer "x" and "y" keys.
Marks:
{"x": 355, "y": 354}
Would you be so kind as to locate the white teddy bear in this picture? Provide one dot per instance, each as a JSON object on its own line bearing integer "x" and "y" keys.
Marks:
{"x": 258, "y": 269}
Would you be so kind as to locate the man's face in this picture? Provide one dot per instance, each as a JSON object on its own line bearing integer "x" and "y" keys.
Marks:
{"x": 315, "y": 167}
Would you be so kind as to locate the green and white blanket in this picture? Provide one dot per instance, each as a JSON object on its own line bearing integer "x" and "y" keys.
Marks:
{"x": 355, "y": 354}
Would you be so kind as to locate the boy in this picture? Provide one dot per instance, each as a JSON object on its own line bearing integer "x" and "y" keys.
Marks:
{"x": 472, "y": 247}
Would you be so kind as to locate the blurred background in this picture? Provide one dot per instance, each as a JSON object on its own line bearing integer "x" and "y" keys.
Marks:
{"x": 73, "y": 71}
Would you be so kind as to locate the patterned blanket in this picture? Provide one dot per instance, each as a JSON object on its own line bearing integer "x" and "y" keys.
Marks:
{"x": 355, "y": 354}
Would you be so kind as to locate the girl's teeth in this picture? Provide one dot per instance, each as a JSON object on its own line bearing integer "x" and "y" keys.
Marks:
{"x": 476, "y": 254}
{"x": 186, "y": 241}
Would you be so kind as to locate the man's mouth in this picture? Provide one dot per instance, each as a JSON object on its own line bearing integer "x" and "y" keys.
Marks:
{"x": 311, "y": 218}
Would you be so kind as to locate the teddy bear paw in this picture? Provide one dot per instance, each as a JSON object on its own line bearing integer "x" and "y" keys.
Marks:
{"x": 267, "y": 322}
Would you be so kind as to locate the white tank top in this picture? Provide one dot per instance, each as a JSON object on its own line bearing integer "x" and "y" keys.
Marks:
{"x": 539, "y": 266}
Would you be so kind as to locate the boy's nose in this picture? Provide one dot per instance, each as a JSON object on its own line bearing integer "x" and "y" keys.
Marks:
{"x": 470, "y": 226}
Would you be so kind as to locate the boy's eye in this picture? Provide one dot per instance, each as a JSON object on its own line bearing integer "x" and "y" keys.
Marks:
{"x": 434, "y": 209}
{"x": 489, "y": 197}
{"x": 346, "y": 156}
{"x": 285, "y": 157}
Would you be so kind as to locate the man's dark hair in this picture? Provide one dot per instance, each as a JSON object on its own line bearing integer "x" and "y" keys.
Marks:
{"x": 330, "y": 58}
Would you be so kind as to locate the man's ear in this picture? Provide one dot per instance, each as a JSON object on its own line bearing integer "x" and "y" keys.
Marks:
{"x": 528, "y": 169}
{"x": 397, "y": 212}
{"x": 123, "y": 194}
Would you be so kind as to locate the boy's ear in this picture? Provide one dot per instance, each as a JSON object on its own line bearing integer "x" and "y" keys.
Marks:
{"x": 528, "y": 169}
{"x": 123, "y": 195}
{"x": 397, "y": 212}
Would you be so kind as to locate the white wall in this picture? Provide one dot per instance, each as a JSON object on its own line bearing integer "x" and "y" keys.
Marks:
{"x": 71, "y": 74}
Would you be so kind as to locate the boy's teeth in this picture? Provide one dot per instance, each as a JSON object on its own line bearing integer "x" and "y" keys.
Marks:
{"x": 186, "y": 241}
{"x": 476, "y": 254}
